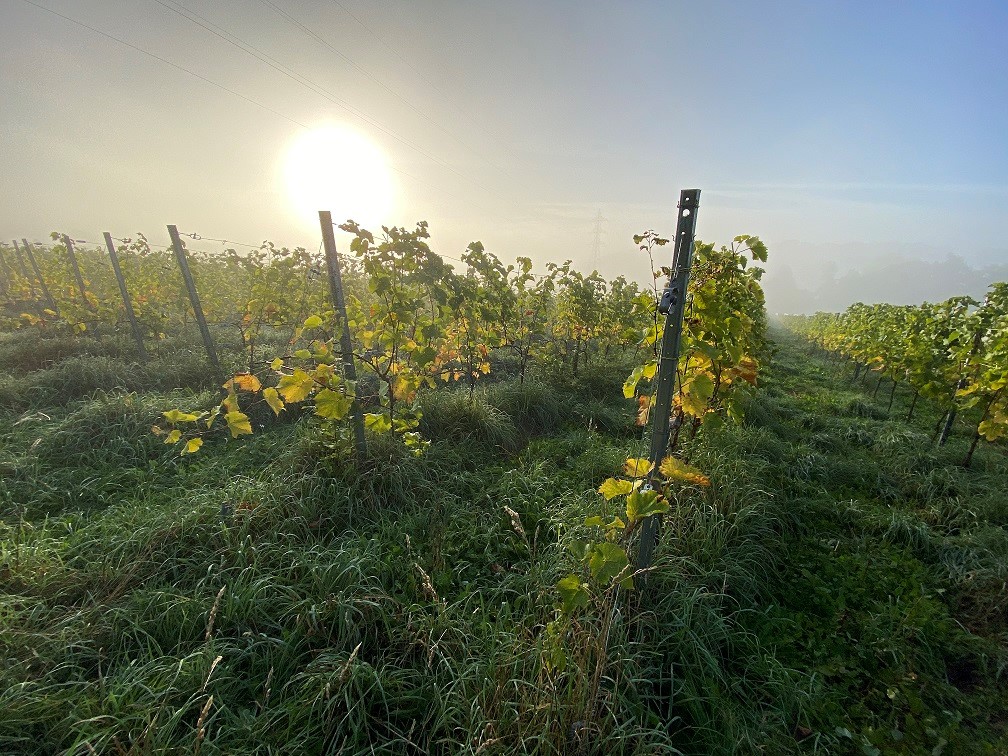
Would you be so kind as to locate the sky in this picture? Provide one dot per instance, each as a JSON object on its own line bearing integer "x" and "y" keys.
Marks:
{"x": 861, "y": 141}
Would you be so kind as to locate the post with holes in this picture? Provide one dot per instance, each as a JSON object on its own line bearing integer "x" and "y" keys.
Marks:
{"x": 38, "y": 274}
{"x": 346, "y": 346}
{"x": 137, "y": 334}
{"x": 673, "y": 305}
{"x": 68, "y": 243}
{"x": 194, "y": 299}
{"x": 24, "y": 271}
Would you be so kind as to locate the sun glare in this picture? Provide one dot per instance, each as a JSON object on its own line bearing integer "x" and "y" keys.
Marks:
{"x": 336, "y": 168}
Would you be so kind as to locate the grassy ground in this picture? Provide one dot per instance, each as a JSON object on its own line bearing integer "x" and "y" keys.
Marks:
{"x": 840, "y": 587}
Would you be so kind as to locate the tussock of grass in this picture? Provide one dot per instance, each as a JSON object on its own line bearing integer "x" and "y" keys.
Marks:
{"x": 454, "y": 417}
{"x": 533, "y": 407}
{"x": 27, "y": 351}
{"x": 85, "y": 376}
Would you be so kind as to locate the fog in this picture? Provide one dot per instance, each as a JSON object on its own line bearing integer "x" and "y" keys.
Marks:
{"x": 864, "y": 143}
{"x": 806, "y": 278}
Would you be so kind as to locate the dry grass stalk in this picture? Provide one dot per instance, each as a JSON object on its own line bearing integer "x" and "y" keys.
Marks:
{"x": 213, "y": 613}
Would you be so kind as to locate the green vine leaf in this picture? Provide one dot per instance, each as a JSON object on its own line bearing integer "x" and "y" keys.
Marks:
{"x": 573, "y": 594}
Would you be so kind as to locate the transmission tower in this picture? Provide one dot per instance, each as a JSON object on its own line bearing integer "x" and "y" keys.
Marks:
{"x": 597, "y": 246}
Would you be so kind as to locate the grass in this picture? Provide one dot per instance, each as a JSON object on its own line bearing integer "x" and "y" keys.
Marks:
{"x": 838, "y": 588}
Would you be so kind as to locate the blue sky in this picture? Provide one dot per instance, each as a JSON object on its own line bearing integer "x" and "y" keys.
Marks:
{"x": 868, "y": 129}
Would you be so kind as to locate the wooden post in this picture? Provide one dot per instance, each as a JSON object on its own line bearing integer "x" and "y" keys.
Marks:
{"x": 673, "y": 303}
{"x": 76, "y": 270}
{"x": 183, "y": 264}
{"x": 7, "y": 278}
{"x": 24, "y": 270}
{"x": 38, "y": 273}
{"x": 346, "y": 346}
{"x": 137, "y": 335}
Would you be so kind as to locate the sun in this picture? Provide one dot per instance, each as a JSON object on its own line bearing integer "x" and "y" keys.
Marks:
{"x": 335, "y": 167}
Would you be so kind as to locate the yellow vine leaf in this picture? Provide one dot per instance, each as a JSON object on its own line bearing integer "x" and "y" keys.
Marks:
{"x": 230, "y": 403}
{"x": 696, "y": 393}
{"x": 377, "y": 422}
{"x": 746, "y": 370}
{"x": 676, "y": 469}
{"x": 405, "y": 385}
{"x": 213, "y": 416}
{"x": 173, "y": 437}
{"x": 244, "y": 382}
{"x": 276, "y": 364}
{"x": 192, "y": 446}
{"x": 273, "y": 400}
{"x": 313, "y": 322}
{"x": 637, "y": 467}
{"x": 994, "y": 428}
{"x": 643, "y": 410}
{"x": 644, "y": 504}
{"x": 296, "y": 387}
{"x": 239, "y": 424}
{"x": 177, "y": 416}
{"x": 331, "y": 405}
{"x": 613, "y": 487}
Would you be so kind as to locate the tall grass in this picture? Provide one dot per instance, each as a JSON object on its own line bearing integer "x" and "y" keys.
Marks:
{"x": 272, "y": 596}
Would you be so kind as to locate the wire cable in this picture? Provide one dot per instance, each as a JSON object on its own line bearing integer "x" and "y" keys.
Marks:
{"x": 336, "y": 51}
{"x": 234, "y": 92}
{"x": 149, "y": 54}
{"x": 197, "y": 237}
{"x": 294, "y": 76}
{"x": 318, "y": 89}
{"x": 423, "y": 78}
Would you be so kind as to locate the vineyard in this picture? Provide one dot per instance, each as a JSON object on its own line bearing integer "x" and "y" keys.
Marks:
{"x": 409, "y": 322}
{"x": 388, "y": 500}
{"x": 954, "y": 353}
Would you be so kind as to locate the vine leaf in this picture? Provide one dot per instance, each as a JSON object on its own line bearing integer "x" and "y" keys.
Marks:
{"x": 637, "y": 467}
{"x": 296, "y": 387}
{"x": 331, "y": 405}
{"x": 239, "y": 424}
{"x": 994, "y": 428}
{"x": 607, "y": 561}
{"x": 613, "y": 487}
{"x": 177, "y": 416}
{"x": 644, "y": 504}
{"x": 273, "y": 400}
{"x": 676, "y": 469}
{"x": 573, "y": 594}
{"x": 244, "y": 382}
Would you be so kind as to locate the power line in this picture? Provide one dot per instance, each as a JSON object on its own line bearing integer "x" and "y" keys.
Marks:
{"x": 319, "y": 38}
{"x": 419, "y": 73}
{"x": 315, "y": 87}
{"x": 342, "y": 55}
{"x": 169, "y": 63}
{"x": 241, "y": 96}
{"x": 294, "y": 76}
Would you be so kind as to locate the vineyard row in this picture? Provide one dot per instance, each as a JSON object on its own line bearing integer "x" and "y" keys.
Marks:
{"x": 954, "y": 353}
